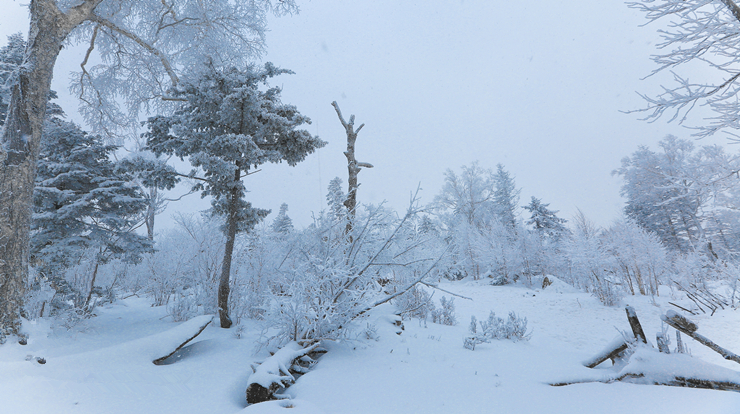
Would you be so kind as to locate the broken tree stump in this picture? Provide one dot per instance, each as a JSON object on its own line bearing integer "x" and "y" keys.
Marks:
{"x": 689, "y": 328}
{"x": 635, "y": 324}
{"x": 277, "y": 372}
{"x": 644, "y": 365}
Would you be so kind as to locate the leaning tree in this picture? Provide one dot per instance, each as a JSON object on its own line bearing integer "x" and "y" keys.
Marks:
{"x": 142, "y": 46}
{"x": 231, "y": 122}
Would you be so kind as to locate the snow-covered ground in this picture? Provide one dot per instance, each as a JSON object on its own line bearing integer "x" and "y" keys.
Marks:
{"x": 103, "y": 365}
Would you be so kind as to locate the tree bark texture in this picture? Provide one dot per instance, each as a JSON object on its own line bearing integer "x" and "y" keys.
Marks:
{"x": 20, "y": 145}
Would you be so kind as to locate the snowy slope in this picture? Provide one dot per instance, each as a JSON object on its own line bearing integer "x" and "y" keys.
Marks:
{"x": 104, "y": 365}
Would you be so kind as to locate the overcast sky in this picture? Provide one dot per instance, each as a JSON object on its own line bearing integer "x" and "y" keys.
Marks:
{"x": 536, "y": 86}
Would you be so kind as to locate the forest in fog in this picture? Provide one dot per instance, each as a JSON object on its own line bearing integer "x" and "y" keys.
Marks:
{"x": 180, "y": 106}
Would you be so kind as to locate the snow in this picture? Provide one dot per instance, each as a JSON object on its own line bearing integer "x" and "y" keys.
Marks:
{"x": 104, "y": 365}
{"x": 275, "y": 368}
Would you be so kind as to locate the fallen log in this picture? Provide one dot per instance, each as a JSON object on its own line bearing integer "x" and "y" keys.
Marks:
{"x": 689, "y": 328}
{"x": 614, "y": 351}
{"x": 675, "y": 382}
{"x": 277, "y": 372}
{"x": 650, "y": 367}
{"x": 178, "y": 337}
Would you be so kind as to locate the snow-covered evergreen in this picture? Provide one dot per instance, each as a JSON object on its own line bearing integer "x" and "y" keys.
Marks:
{"x": 230, "y": 123}
{"x": 11, "y": 57}
{"x": 544, "y": 220}
{"x": 83, "y": 201}
{"x": 282, "y": 223}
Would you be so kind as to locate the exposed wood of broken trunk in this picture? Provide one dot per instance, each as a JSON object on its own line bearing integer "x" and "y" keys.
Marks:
{"x": 616, "y": 349}
{"x": 635, "y": 324}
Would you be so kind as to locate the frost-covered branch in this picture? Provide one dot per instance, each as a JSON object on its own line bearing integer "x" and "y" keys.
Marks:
{"x": 146, "y": 46}
{"x": 706, "y": 31}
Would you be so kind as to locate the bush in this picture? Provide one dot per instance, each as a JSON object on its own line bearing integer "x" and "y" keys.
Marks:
{"x": 514, "y": 328}
{"x": 445, "y": 315}
{"x": 416, "y": 303}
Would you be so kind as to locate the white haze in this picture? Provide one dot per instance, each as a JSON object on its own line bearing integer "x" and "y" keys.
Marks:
{"x": 537, "y": 86}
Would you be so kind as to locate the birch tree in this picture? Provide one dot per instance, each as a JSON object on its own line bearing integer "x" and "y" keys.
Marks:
{"x": 141, "y": 45}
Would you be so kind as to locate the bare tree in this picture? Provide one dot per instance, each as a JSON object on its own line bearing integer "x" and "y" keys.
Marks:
{"x": 704, "y": 31}
{"x": 142, "y": 45}
{"x": 353, "y": 166}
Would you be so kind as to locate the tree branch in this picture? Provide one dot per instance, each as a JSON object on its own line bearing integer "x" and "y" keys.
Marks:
{"x": 151, "y": 49}
{"x": 734, "y": 9}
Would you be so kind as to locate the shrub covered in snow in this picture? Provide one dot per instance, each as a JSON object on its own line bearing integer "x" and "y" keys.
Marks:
{"x": 416, "y": 303}
{"x": 514, "y": 328}
{"x": 445, "y": 314}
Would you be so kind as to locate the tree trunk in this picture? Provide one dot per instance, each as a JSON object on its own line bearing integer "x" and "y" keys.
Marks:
{"x": 19, "y": 150}
{"x": 223, "y": 286}
{"x": 353, "y": 166}
{"x": 92, "y": 283}
{"x": 151, "y": 211}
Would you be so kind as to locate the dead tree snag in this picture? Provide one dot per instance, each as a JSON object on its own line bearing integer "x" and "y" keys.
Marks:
{"x": 353, "y": 166}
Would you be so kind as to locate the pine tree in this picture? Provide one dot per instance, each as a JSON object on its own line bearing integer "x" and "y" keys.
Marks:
{"x": 11, "y": 57}
{"x": 282, "y": 223}
{"x": 335, "y": 198}
{"x": 544, "y": 220}
{"x": 152, "y": 175}
{"x": 505, "y": 196}
{"x": 81, "y": 202}
{"x": 230, "y": 122}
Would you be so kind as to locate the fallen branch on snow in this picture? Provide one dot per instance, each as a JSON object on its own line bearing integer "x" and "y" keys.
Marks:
{"x": 179, "y": 336}
{"x": 643, "y": 365}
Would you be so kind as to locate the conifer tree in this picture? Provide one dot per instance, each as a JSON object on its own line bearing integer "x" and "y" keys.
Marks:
{"x": 335, "y": 198}
{"x": 505, "y": 196}
{"x": 144, "y": 45}
{"x": 544, "y": 220}
{"x": 11, "y": 57}
{"x": 282, "y": 223}
{"x": 229, "y": 123}
{"x": 81, "y": 202}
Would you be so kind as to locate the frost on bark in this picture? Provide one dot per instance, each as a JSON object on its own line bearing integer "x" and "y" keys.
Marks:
{"x": 20, "y": 146}
{"x": 353, "y": 166}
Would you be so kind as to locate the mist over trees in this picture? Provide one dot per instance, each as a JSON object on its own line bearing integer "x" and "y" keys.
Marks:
{"x": 681, "y": 224}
